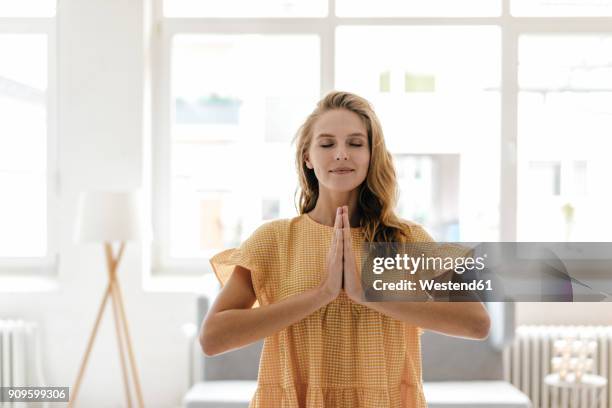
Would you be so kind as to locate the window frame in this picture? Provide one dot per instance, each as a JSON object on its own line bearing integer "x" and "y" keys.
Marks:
{"x": 511, "y": 29}
{"x": 46, "y": 266}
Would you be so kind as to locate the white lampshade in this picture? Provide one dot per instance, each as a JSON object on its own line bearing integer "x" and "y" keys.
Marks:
{"x": 108, "y": 216}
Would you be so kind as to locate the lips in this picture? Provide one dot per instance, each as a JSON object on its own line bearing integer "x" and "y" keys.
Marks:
{"x": 342, "y": 170}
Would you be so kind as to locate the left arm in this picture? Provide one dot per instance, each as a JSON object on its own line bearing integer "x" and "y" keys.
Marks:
{"x": 461, "y": 319}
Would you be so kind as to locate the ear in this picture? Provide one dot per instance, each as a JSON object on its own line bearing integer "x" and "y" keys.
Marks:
{"x": 308, "y": 164}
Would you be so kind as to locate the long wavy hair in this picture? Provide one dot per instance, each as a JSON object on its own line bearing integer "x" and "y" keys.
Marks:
{"x": 378, "y": 193}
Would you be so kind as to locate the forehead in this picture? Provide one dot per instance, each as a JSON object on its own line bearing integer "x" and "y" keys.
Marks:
{"x": 339, "y": 122}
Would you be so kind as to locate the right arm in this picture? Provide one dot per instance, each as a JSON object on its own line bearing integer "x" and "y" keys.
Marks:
{"x": 232, "y": 323}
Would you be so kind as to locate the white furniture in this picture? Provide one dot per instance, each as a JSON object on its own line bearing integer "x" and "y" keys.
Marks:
{"x": 458, "y": 373}
{"x": 589, "y": 382}
{"x": 21, "y": 361}
{"x": 476, "y": 394}
{"x": 445, "y": 394}
{"x": 220, "y": 394}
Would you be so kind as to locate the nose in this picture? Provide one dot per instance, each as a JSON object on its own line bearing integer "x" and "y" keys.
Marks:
{"x": 341, "y": 154}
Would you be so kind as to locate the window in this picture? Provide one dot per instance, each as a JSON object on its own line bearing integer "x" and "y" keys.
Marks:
{"x": 562, "y": 8}
{"x": 417, "y": 8}
{"x": 433, "y": 182}
{"x": 27, "y": 8}
{"x": 565, "y": 123}
{"x": 232, "y": 119}
{"x": 245, "y": 8}
{"x": 436, "y": 90}
{"x": 471, "y": 100}
{"x": 27, "y": 138}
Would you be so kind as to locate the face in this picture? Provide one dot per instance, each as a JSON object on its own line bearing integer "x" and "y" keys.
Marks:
{"x": 339, "y": 151}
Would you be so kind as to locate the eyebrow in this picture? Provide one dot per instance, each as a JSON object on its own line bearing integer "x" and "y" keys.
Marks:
{"x": 358, "y": 134}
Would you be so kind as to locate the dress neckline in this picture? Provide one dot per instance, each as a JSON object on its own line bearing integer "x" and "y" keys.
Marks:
{"x": 309, "y": 218}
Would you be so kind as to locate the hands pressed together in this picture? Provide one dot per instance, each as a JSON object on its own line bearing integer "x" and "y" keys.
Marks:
{"x": 341, "y": 266}
{"x": 463, "y": 319}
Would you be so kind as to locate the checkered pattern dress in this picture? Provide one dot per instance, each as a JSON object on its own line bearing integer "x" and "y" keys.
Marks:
{"x": 342, "y": 355}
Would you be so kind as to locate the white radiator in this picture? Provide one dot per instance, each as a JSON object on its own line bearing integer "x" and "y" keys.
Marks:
{"x": 528, "y": 360}
{"x": 20, "y": 358}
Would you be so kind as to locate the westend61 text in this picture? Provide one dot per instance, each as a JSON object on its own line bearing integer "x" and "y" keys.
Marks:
{"x": 428, "y": 285}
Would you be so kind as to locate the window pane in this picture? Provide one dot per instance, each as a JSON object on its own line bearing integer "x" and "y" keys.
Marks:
{"x": 27, "y": 8}
{"x": 565, "y": 123}
{"x": 234, "y": 117}
{"x": 418, "y": 8}
{"x": 245, "y": 8}
{"x": 561, "y": 8}
{"x": 430, "y": 186}
{"x": 23, "y": 160}
{"x": 436, "y": 92}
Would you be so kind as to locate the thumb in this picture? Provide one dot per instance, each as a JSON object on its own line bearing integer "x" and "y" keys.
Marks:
{"x": 343, "y": 279}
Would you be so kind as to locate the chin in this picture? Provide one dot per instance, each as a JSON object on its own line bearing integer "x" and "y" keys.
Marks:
{"x": 342, "y": 187}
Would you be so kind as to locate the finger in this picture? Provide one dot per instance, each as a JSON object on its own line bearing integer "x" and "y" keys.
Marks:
{"x": 338, "y": 233}
{"x": 339, "y": 243}
{"x": 347, "y": 227}
{"x": 337, "y": 222}
{"x": 345, "y": 217}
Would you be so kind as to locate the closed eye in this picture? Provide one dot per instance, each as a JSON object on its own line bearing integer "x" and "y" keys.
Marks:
{"x": 351, "y": 144}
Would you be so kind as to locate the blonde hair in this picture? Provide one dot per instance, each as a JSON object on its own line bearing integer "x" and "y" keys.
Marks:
{"x": 378, "y": 193}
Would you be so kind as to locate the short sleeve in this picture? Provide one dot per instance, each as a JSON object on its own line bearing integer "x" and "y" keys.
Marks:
{"x": 438, "y": 250}
{"x": 419, "y": 243}
{"x": 258, "y": 254}
{"x": 418, "y": 234}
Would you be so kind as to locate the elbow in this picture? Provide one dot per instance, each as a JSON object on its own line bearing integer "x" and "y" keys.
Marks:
{"x": 206, "y": 342}
{"x": 481, "y": 327}
{"x": 206, "y": 347}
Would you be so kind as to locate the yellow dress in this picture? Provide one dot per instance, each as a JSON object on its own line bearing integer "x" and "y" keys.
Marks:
{"x": 342, "y": 355}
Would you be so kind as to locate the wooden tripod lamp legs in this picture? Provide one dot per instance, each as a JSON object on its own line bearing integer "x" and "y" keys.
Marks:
{"x": 121, "y": 328}
{"x": 120, "y": 344}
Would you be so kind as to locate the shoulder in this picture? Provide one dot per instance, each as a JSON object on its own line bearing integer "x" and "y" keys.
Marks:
{"x": 271, "y": 230}
{"x": 274, "y": 226}
{"x": 264, "y": 243}
{"x": 416, "y": 231}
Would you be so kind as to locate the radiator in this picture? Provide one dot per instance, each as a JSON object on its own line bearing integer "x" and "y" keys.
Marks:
{"x": 20, "y": 358}
{"x": 527, "y": 360}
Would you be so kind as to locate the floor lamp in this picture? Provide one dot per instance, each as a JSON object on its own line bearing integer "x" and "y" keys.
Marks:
{"x": 105, "y": 217}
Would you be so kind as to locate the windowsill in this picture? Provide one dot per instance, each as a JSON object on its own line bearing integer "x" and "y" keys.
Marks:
{"x": 202, "y": 284}
{"x": 28, "y": 284}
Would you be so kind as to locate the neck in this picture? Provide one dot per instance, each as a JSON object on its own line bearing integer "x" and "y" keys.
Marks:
{"x": 324, "y": 211}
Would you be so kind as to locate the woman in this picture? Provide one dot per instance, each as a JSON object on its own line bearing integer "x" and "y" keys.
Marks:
{"x": 324, "y": 345}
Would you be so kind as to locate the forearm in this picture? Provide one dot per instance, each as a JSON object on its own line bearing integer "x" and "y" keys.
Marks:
{"x": 235, "y": 328}
{"x": 462, "y": 319}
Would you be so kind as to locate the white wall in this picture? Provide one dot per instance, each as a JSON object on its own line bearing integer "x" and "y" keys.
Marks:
{"x": 564, "y": 313}
{"x": 100, "y": 75}
{"x": 101, "y": 69}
